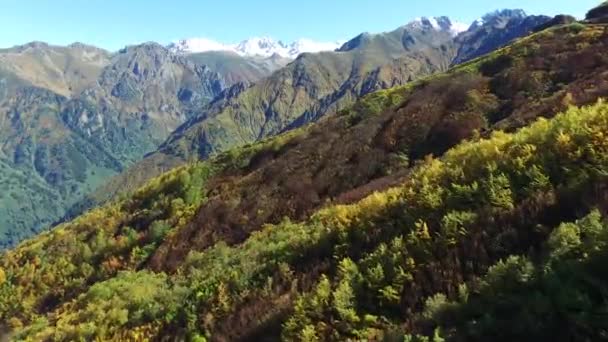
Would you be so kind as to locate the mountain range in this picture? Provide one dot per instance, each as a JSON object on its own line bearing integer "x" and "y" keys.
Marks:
{"x": 78, "y": 115}
{"x": 461, "y": 198}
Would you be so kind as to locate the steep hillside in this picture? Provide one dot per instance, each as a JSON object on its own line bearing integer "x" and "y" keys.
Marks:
{"x": 347, "y": 230}
{"x": 357, "y": 147}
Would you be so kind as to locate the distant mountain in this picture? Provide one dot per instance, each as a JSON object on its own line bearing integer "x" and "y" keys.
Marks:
{"x": 311, "y": 86}
{"x": 440, "y": 23}
{"x": 71, "y": 117}
{"x": 316, "y": 84}
{"x": 254, "y": 47}
{"x": 62, "y": 70}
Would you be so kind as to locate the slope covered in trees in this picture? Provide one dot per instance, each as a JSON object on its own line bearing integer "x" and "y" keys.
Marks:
{"x": 348, "y": 230}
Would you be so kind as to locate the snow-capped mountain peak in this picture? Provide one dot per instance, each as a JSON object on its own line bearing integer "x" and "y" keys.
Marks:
{"x": 439, "y": 24}
{"x": 459, "y": 27}
{"x": 256, "y": 46}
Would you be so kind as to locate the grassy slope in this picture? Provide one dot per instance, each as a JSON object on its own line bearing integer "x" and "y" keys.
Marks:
{"x": 433, "y": 226}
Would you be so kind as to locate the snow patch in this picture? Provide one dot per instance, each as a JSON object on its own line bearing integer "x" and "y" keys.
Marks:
{"x": 458, "y": 27}
{"x": 439, "y": 24}
{"x": 434, "y": 23}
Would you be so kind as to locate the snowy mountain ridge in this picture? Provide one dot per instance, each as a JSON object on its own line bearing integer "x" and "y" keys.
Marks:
{"x": 257, "y": 46}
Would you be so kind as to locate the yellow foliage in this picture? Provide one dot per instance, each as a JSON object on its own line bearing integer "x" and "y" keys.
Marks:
{"x": 15, "y": 323}
{"x": 423, "y": 230}
{"x": 564, "y": 141}
{"x": 342, "y": 216}
{"x": 224, "y": 301}
{"x": 138, "y": 334}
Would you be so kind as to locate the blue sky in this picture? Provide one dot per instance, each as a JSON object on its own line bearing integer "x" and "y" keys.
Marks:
{"x": 111, "y": 24}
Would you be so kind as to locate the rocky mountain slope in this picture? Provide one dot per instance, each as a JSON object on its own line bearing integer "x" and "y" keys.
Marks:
{"x": 350, "y": 229}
